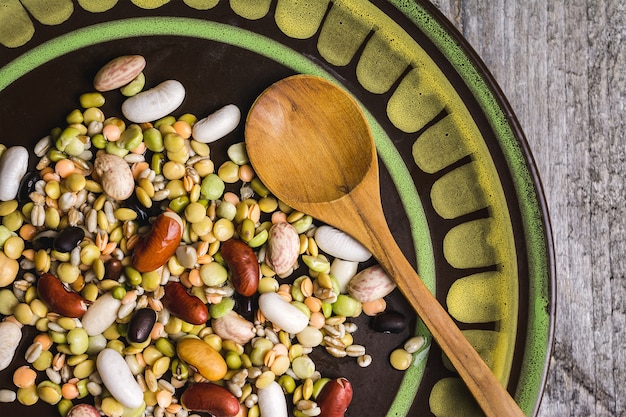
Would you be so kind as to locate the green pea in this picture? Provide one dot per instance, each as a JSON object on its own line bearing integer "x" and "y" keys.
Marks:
{"x": 296, "y": 293}
{"x": 132, "y": 276}
{"x": 303, "y": 224}
{"x": 96, "y": 344}
{"x": 76, "y": 116}
{"x": 173, "y": 142}
{"x": 74, "y": 147}
{"x": 287, "y": 383}
{"x": 118, "y": 292}
{"x": 84, "y": 369}
{"x": 28, "y": 396}
{"x": 222, "y": 308}
{"x": 165, "y": 121}
{"x": 268, "y": 284}
{"x": 327, "y": 309}
{"x": 78, "y": 339}
{"x": 212, "y": 187}
{"x": 166, "y": 347}
{"x": 179, "y": 369}
{"x": 213, "y": 274}
{"x": 259, "y": 239}
{"x": 23, "y": 313}
{"x": 94, "y": 99}
{"x": 233, "y": 360}
{"x": 226, "y": 210}
{"x": 179, "y": 203}
{"x": 99, "y": 141}
{"x": 8, "y": 301}
{"x": 259, "y": 187}
{"x": 150, "y": 280}
{"x": 135, "y": 86}
{"x": 130, "y": 138}
{"x": 318, "y": 386}
{"x": 302, "y": 307}
{"x": 64, "y": 406}
{"x": 112, "y": 148}
{"x": 153, "y": 139}
{"x": 82, "y": 388}
{"x": 316, "y": 263}
{"x": 44, "y": 361}
{"x": 237, "y": 153}
{"x": 347, "y": 306}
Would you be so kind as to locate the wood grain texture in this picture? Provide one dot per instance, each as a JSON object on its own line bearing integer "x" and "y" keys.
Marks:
{"x": 562, "y": 66}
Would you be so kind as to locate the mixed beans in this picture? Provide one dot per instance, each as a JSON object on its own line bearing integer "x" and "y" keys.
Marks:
{"x": 127, "y": 245}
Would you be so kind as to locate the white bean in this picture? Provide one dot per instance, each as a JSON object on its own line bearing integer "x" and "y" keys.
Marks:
{"x": 118, "y": 379}
{"x": 10, "y": 336}
{"x": 101, "y": 314}
{"x": 343, "y": 271}
{"x": 340, "y": 245}
{"x": 272, "y": 401}
{"x": 217, "y": 125}
{"x": 7, "y": 396}
{"x": 154, "y": 103}
{"x": 13, "y": 166}
{"x": 283, "y": 314}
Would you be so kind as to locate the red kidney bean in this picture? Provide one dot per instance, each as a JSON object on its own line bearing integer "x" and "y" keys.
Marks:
{"x": 210, "y": 398}
{"x": 335, "y": 398}
{"x": 243, "y": 265}
{"x": 59, "y": 299}
{"x": 183, "y": 305}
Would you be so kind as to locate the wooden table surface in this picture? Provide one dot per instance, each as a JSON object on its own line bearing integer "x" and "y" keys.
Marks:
{"x": 562, "y": 66}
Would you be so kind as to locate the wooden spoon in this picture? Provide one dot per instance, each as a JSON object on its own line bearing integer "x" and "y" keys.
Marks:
{"x": 311, "y": 145}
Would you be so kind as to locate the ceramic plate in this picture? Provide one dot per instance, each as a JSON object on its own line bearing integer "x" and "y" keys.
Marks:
{"x": 460, "y": 191}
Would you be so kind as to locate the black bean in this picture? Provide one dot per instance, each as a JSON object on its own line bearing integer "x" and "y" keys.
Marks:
{"x": 68, "y": 238}
{"x": 44, "y": 240}
{"x": 246, "y": 306}
{"x": 27, "y": 186}
{"x": 140, "y": 325}
{"x": 389, "y": 322}
{"x": 112, "y": 269}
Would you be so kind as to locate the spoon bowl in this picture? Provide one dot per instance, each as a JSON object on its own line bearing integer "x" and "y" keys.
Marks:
{"x": 312, "y": 147}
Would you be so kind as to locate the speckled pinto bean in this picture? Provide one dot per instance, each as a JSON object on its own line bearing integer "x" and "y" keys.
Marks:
{"x": 210, "y": 398}
{"x": 60, "y": 299}
{"x": 335, "y": 398}
{"x": 283, "y": 247}
{"x": 83, "y": 410}
{"x": 184, "y": 305}
{"x": 243, "y": 265}
{"x": 10, "y": 336}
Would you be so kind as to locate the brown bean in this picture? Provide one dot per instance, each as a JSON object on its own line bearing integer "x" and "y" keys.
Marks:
{"x": 210, "y": 398}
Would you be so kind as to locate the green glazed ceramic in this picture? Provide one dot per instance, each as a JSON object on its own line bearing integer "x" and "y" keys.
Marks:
{"x": 459, "y": 186}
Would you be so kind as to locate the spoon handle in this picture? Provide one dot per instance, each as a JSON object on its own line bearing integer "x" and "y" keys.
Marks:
{"x": 488, "y": 391}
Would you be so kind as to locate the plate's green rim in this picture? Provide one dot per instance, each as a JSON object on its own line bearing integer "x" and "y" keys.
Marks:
{"x": 527, "y": 185}
{"x": 180, "y": 26}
